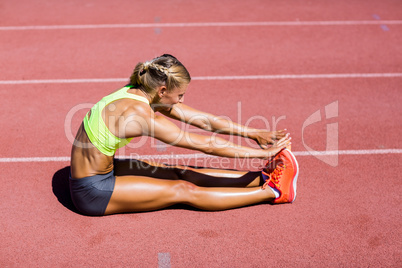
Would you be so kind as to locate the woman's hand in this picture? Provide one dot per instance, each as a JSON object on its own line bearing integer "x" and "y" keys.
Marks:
{"x": 280, "y": 145}
{"x": 265, "y": 138}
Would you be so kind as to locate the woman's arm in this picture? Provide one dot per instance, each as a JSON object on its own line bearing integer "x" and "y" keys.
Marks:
{"x": 167, "y": 132}
{"x": 221, "y": 125}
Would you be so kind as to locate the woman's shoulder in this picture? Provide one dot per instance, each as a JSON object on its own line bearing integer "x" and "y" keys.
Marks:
{"x": 134, "y": 107}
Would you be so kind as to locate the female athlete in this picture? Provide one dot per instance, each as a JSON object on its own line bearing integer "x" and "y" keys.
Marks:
{"x": 101, "y": 185}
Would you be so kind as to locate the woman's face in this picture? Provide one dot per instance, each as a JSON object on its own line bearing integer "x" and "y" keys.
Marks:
{"x": 168, "y": 99}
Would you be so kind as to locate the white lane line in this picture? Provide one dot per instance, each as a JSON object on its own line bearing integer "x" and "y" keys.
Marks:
{"x": 164, "y": 260}
{"x": 63, "y": 81}
{"x": 201, "y": 24}
{"x": 300, "y": 76}
{"x": 350, "y": 152}
{"x": 194, "y": 156}
{"x": 203, "y": 78}
{"x": 35, "y": 159}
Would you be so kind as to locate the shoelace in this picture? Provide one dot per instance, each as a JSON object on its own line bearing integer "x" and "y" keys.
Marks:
{"x": 274, "y": 176}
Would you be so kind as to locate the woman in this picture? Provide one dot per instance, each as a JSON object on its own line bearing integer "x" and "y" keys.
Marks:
{"x": 101, "y": 186}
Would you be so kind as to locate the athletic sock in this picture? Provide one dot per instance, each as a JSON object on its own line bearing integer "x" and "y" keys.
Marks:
{"x": 276, "y": 192}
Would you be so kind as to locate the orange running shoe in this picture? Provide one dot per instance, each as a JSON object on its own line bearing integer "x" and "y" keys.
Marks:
{"x": 281, "y": 174}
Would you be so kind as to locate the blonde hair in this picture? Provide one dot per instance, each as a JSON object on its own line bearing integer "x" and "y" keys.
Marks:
{"x": 165, "y": 70}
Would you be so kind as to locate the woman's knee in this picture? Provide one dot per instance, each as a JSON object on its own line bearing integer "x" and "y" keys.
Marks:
{"x": 184, "y": 190}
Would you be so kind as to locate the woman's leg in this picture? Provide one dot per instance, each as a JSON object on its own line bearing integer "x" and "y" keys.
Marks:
{"x": 206, "y": 177}
{"x": 133, "y": 193}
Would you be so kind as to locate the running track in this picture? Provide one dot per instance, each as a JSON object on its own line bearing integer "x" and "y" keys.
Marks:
{"x": 328, "y": 71}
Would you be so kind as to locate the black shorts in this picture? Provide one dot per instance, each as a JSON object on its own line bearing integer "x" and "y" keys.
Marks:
{"x": 91, "y": 195}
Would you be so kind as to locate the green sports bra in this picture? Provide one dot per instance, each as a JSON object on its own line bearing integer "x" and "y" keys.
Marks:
{"x": 96, "y": 129}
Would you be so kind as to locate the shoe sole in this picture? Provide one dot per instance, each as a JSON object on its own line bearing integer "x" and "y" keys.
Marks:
{"x": 294, "y": 184}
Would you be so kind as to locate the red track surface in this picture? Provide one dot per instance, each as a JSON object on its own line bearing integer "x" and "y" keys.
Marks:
{"x": 348, "y": 215}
